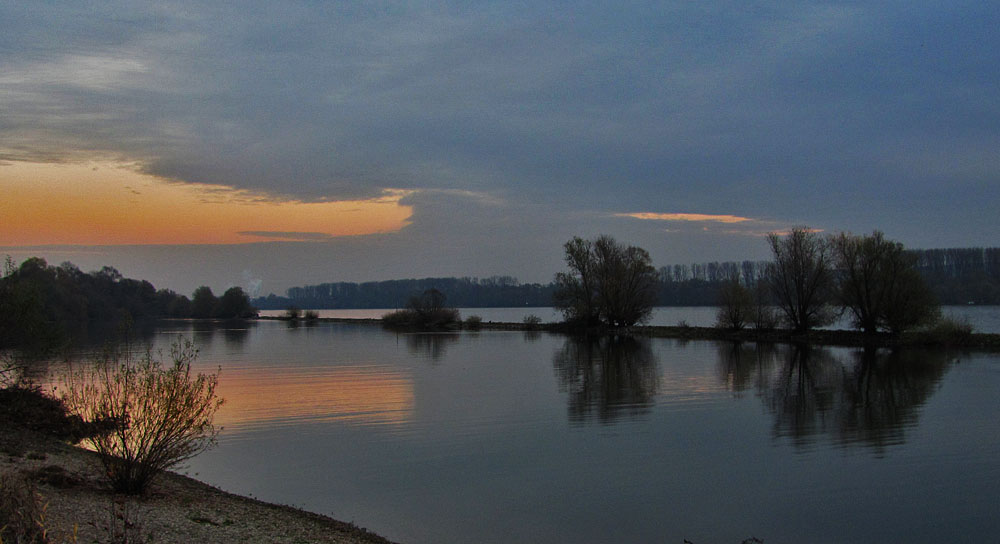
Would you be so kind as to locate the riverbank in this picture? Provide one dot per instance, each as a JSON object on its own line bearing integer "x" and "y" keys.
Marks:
{"x": 944, "y": 337}
{"x": 77, "y": 507}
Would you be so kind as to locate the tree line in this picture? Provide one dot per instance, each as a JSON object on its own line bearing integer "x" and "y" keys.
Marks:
{"x": 492, "y": 292}
{"x": 810, "y": 281}
{"x": 955, "y": 276}
{"x": 43, "y": 304}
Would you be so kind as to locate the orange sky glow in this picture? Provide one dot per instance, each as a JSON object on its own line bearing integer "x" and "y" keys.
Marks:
{"x": 104, "y": 203}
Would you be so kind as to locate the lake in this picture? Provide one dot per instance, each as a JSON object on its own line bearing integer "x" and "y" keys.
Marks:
{"x": 493, "y": 437}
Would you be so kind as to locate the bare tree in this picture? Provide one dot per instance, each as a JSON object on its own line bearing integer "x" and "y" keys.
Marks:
{"x": 736, "y": 306}
{"x": 801, "y": 278}
{"x": 879, "y": 284}
{"x": 607, "y": 283}
{"x": 576, "y": 290}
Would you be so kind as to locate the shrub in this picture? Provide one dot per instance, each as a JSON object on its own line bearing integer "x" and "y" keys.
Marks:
{"x": 950, "y": 331}
{"x": 531, "y": 321}
{"x": 30, "y": 408}
{"x": 292, "y": 312}
{"x": 160, "y": 416}
{"x": 473, "y": 322}
{"x": 735, "y": 306}
{"x": 311, "y": 315}
{"x": 426, "y": 312}
{"x": 22, "y": 512}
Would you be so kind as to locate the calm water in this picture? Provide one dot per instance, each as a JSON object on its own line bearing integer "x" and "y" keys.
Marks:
{"x": 515, "y": 437}
{"x": 983, "y": 318}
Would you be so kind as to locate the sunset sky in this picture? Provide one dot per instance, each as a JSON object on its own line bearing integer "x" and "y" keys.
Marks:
{"x": 285, "y": 143}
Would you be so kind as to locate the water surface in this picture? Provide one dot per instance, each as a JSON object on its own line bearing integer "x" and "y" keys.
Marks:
{"x": 531, "y": 437}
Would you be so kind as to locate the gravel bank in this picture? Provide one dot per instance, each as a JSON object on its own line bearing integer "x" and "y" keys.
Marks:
{"x": 177, "y": 509}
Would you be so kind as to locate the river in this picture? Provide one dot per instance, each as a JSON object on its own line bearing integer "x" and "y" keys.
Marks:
{"x": 494, "y": 437}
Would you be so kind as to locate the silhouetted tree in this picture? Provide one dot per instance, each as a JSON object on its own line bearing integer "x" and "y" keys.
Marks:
{"x": 203, "y": 302}
{"x": 879, "y": 284}
{"x": 607, "y": 283}
{"x": 801, "y": 278}
{"x": 736, "y": 306}
{"x": 576, "y": 292}
{"x": 235, "y": 303}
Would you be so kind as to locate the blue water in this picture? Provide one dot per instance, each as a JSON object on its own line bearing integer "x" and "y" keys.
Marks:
{"x": 496, "y": 437}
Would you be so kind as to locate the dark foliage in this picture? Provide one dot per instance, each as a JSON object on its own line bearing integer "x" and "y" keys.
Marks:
{"x": 493, "y": 292}
{"x": 607, "y": 284}
{"x": 736, "y": 306}
{"x": 878, "y": 283}
{"x": 44, "y": 305}
{"x": 426, "y": 312}
{"x": 28, "y": 407}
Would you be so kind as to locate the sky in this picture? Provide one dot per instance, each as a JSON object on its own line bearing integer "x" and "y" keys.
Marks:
{"x": 274, "y": 144}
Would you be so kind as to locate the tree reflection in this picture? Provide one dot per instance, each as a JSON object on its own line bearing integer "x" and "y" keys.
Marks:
{"x": 236, "y": 336}
{"x": 883, "y": 391}
{"x": 431, "y": 345}
{"x": 607, "y": 377}
{"x": 803, "y": 391}
{"x": 869, "y": 397}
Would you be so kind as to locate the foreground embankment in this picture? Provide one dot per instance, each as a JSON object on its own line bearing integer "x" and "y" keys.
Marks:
{"x": 62, "y": 485}
{"x": 822, "y": 337}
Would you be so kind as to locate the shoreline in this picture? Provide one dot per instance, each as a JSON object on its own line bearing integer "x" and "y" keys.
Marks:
{"x": 78, "y": 507}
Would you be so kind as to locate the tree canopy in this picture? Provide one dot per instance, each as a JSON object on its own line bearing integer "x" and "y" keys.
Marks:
{"x": 607, "y": 283}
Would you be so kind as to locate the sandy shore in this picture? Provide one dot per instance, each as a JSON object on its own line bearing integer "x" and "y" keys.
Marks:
{"x": 177, "y": 509}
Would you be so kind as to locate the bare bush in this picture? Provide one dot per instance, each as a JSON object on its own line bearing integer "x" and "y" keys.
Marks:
{"x": 22, "y": 511}
{"x": 736, "y": 308}
{"x": 159, "y": 417}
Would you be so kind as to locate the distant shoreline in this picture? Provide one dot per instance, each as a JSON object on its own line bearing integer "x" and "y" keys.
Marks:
{"x": 823, "y": 337}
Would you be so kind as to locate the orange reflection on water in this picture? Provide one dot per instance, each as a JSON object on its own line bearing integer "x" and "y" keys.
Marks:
{"x": 262, "y": 397}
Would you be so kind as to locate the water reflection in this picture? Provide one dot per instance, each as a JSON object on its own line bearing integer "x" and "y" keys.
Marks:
{"x": 867, "y": 397}
{"x": 432, "y": 346}
{"x": 607, "y": 377}
{"x": 261, "y": 398}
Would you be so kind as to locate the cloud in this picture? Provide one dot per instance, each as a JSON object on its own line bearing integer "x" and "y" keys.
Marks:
{"x": 649, "y": 216}
{"x": 288, "y": 235}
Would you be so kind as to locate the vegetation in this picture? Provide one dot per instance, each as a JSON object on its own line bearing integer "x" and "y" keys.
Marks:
{"x": 473, "y": 322}
{"x": 22, "y": 511}
{"x": 736, "y": 306}
{"x": 801, "y": 278}
{"x": 532, "y": 322}
{"x": 233, "y": 304}
{"x": 948, "y": 332}
{"x": 426, "y": 312}
{"x": 43, "y": 305}
{"x": 495, "y": 292}
{"x": 607, "y": 284}
{"x": 158, "y": 417}
{"x": 878, "y": 283}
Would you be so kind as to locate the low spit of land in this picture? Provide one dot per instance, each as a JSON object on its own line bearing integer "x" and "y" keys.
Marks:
{"x": 821, "y": 337}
